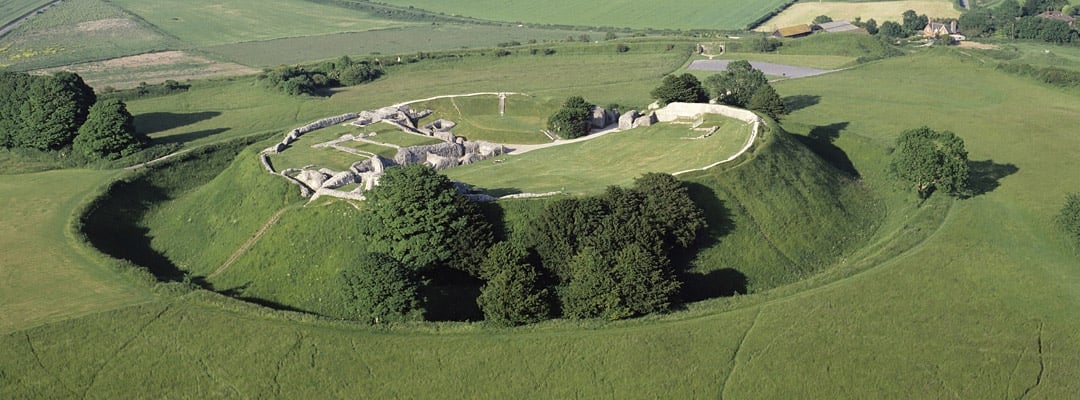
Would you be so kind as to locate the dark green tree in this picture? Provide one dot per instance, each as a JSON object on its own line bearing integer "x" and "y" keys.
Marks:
{"x": 421, "y": 220}
{"x": 821, "y": 19}
{"x": 573, "y": 119}
{"x": 683, "y": 88}
{"x": 976, "y": 22}
{"x": 376, "y": 288}
{"x": 736, "y": 84}
{"x": 766, "y": 101}
{"x": 512, "y": 293}
{"x": 48, "y": 117}
{"x": 871, "y": 26}
{"x": 932, "y": 160}
{"x": 108, "y": 133}
{"x": 671, "y": 209}
{"x": 913, "y": 23}
{"x": 1069, "y": 218}
{"x": 80, "y": 92}
{"x": 632, "y": 282}
{"x": 891, "y": 29}
{"x": 1008, "y": 10}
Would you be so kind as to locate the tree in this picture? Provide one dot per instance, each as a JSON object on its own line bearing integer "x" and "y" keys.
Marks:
{"x": 976, "y": 22}
{"x": 80, "y": 92}
{"x": 766, "y": 101}
{"x": 913, "y": 23}
{"x": 736, "y": 84}
{"x": 764, "y": 45}
{"x": 421, "y": 220}
{"x": 932, "y": 160}
{"x": 376, "y": 288}
{"x": 821, "y": 19}
{"x": 871, "y": 26}
{"x": 512, "y": 294}
{"x": 1007, "y": 11}
{"x": 683, "y": 88}
{"x": 891, "y": 29}
{"x": 633, "y": 282}
{"x": 671, "y": 209}
{"x": 109, "y": 132}
{"x": 1069, "y": 218}
{"x": 1035, "y": 7}
{"x": 573, "y": 119}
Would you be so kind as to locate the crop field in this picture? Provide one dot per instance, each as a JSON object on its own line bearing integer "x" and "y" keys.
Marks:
{"x": 207, "y": 23}
{"x": 804, "y": 13}
{"x": 128, "y": 72}
{"x": 78, "y": 31}
{"x": 613, "y": 159}
{"x": 681, "y": 14}
{"x": 408, "y": 39}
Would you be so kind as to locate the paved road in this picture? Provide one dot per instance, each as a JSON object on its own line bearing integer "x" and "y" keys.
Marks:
{"x": 787, "y": 71}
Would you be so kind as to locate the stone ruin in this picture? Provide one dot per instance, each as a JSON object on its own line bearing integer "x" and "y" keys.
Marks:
{"x": 315, "y": 182}
{"x": 601, "y": 117}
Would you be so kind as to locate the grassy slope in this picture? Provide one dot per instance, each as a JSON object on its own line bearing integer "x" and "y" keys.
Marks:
{"x": 36, "y": 245}
{"x": 986, "y": 307}
{"x": 478, "y": 118}
{"x": 682, "y": 14}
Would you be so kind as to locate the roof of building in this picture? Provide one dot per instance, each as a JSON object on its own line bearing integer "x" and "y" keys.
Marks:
{"x": 940, "y": 28}
{"x": 838, "y": 26}
{"x": 794, "y": 30}
{"x": 1058, "y": 15}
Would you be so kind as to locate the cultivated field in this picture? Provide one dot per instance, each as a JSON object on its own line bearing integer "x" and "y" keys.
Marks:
{"x": 681, "y": 14}
{"x": 12, "y": 10}
{"x": 128, "y": 72}
{"x": 804, "y": 13}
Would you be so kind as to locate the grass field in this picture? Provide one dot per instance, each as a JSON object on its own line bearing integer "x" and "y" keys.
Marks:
{"x": 42, "y": 277}
{"x": 626, "y": 155}
{"x": 398, "y": 40}
{"x": 78, "y": 31}
{"x": 682, "y": 14}
{"x": 478, "y": 118}
{"x": 972, "y": 298}
{"x": 804, "y": 13}
{"x": 128, "y": 72}
{"x": 12, "y": 10}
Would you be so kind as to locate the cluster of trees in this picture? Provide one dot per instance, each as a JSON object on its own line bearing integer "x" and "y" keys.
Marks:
{"x": 739, "y": 85}
{"x": 1013, "y": 20}
{"x": 606, "y": 256}
{"x": 911, "y": 23}
{"x": 303, "y": 80}
{"x": 59, "y": 112}
{"x": 932, "y": 160}
{"x": 573, "y": 119}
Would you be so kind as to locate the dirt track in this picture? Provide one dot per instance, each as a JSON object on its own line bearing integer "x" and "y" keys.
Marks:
{"x": 781, "y": 70}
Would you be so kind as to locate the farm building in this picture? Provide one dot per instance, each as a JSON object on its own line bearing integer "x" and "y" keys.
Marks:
{"x": 839, "y": 26}
{"x": 793, "y": 31}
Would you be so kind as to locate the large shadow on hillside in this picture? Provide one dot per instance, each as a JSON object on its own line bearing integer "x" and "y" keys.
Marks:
{"x": 153, "y": 122}
{"x": 717, "y": 283}
{"x": 820, "y": 140}
{"x": 800, "y": 101}
{"x": 113, "y": 227}
{"x": 986, "y": 175}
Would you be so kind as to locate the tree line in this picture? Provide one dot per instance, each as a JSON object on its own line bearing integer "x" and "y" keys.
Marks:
{"x": 309, "y": 80}
{"x": 739, "y": 85}
{"x": 60, "y": 112}
{"x": 1014, "y": 20}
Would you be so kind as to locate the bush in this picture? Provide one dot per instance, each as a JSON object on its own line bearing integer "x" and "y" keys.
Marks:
{"x": 622, "y": 48}
{"x": 1069, "y": 218}
{"x": 573, "y": 119}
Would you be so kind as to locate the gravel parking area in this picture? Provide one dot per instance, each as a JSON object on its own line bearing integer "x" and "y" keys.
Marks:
{"x": 781, "y": 70}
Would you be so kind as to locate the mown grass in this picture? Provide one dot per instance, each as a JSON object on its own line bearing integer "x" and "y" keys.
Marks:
{"x": 881, "y": 11}
{"x": 613, "y": 159}
{"x": 477, "y": 117}
{"x": 203, "y": 23}
{"x": 682, "y": 14}
{"x": 78, "y": 31}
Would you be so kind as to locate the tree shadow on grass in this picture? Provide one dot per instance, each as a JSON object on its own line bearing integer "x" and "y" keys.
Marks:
{"x": 154, "y": 122}
{"x": 986, "y": 176}
{"x": 719, "y": 283}
{"x": 820, "y": 140}
{"x": 800, "y": 101}
{"x": 450, "y": 295}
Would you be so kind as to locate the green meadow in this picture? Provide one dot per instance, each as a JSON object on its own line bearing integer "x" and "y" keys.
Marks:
{"x": 12, "y": 10}
{"x": 682, "y": 14}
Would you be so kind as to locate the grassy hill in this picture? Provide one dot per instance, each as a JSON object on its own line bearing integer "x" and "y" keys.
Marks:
{"x": 973, "y": 298}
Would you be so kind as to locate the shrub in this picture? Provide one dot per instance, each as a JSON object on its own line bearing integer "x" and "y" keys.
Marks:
{"x": 1069, "y": 218}
{"x": 573, "y": 119}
